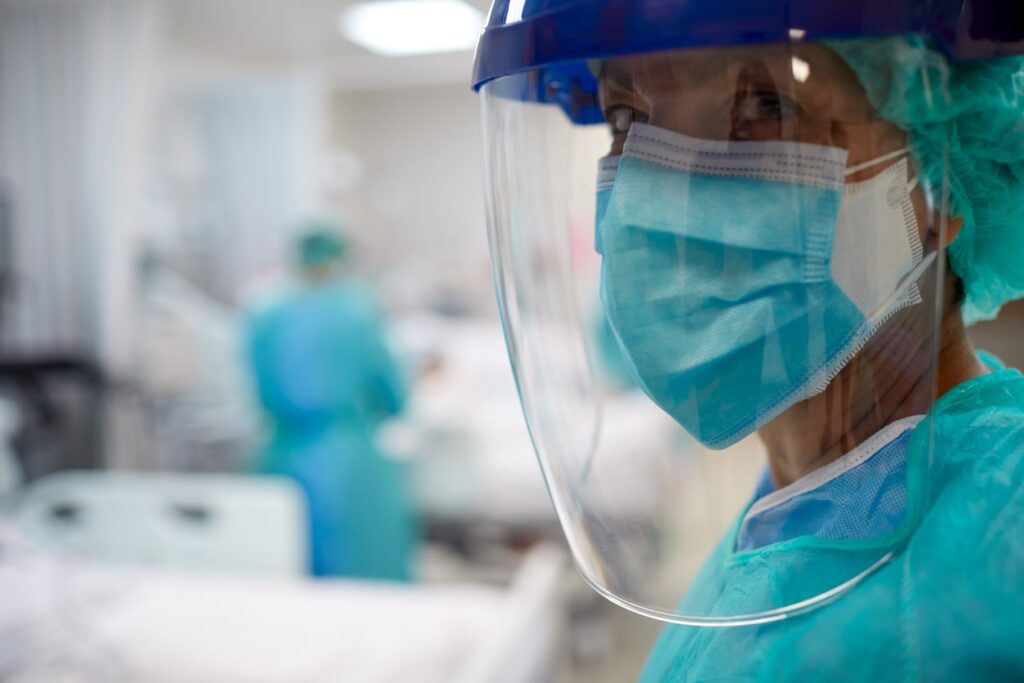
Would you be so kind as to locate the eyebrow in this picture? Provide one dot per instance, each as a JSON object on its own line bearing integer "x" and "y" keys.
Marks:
{"x": 619, "y": 79}
{"x": 699, "y": 67}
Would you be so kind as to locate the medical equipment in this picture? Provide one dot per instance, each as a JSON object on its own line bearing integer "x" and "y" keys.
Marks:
{"x": 708, "y": 208}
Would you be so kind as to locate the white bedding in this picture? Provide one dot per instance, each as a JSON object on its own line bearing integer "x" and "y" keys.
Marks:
{"x": 63, "y": 621}
{"x": 471, "y": 451}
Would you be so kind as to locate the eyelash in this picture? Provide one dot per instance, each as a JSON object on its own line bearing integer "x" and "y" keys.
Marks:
{"x": 782, "y": 107}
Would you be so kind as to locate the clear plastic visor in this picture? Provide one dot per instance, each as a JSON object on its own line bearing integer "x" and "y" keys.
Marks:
{"x": 722, "y": 309}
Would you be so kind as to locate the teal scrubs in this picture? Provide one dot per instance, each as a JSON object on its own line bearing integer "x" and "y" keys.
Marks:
{"x": 948, "y": 607}
{"x": 326, "y": 379}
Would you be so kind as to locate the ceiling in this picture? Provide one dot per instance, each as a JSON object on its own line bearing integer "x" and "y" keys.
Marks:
{"x": 302, "y": 33}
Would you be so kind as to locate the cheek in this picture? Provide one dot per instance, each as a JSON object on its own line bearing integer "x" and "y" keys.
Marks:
{"x": 867, "y": 141}
{"x": 837, "y": 135}
{"x": 693, "y": 115}
{"x": 816, "y": 131}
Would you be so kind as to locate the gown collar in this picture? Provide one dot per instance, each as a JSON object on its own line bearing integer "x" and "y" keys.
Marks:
{"x": 862, "y": 494}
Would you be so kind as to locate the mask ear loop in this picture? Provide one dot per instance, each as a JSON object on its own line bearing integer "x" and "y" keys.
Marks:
{"x": 850, "y": 170}
{"x": 880, "y": 160}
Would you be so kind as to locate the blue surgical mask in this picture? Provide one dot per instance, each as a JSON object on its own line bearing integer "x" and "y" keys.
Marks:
{"x": 606, "y": 171}
{"x": 740, "y": 277}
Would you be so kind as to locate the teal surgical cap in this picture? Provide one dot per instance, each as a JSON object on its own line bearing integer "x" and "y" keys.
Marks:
{"x": 974, "y": 111}
{"x": 320, "y": 244}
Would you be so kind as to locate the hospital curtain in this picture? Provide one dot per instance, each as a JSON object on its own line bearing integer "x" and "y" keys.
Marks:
{"x": 76, "y": 79}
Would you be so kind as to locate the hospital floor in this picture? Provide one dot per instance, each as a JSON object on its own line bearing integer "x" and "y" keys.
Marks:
{"x": 612, "y": 646}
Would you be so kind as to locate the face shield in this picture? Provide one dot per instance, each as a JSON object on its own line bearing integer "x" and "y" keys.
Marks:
{"x": 730, "y": 255}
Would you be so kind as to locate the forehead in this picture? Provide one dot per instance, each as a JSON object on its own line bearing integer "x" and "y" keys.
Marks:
{"x": 783, "y": 62}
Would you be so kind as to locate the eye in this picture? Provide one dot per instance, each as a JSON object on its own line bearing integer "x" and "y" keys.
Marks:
{"x": 762, "y": 106}
{"x": 759, "y": 114}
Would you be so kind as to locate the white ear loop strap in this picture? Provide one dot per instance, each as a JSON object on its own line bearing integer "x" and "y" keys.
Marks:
{"x": 877, "y": 160}
{"x": 882, "y": 159}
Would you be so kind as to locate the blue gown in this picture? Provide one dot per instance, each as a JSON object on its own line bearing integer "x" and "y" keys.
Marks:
{"x": 948, "y": 607}
{"x": 326, "y": 378}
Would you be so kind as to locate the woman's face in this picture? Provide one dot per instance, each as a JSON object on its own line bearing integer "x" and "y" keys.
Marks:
{"x": 798, "y": 93}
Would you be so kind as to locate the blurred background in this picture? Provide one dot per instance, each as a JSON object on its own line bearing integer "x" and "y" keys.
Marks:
{"x": 210, "y": 212}
{"x": 257, "y": 421}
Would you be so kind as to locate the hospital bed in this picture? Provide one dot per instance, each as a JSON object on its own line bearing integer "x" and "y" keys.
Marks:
{"x": 197, "y": 522}
{"x": 469, "y": 448}
{"x": 69, "y": 620}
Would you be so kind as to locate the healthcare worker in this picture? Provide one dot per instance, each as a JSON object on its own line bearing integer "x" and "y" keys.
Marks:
{"x": 326, "y": 379}
{"x": 796, "y": 207}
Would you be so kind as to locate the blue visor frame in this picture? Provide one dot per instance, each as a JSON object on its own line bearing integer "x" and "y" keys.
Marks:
{"x": 537, "y": 50}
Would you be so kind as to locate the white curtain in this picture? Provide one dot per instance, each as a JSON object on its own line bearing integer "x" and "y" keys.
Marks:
{"x": 76, "y": 81}
{"x": 250, "y": 176}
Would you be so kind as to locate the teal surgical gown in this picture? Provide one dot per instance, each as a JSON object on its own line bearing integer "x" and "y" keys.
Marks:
{"x": 326, "y": 378}
{"x": 949, "y": 606}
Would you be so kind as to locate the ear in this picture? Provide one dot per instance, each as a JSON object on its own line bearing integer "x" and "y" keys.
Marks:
{"x": 953, "y": 227}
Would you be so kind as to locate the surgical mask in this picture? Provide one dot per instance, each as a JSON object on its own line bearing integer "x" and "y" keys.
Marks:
{"x": 741, "y": 277}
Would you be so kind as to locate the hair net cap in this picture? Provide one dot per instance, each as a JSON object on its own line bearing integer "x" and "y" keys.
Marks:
{"x": 320, "y": 244}
{"x": 974, "y": 111}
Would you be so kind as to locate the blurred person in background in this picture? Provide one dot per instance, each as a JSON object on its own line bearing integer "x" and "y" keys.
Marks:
{"x": 326, "y": 379}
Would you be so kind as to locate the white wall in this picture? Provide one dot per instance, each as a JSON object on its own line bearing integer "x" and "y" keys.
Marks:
{"x": 246, "y": 156}
{"x": 415, "y": 207}
{"x": 236, "y": 166}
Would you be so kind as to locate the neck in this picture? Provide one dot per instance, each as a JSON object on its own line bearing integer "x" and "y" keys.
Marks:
{"x": 958, "y": 361}
{"x": 891, "y": 379}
